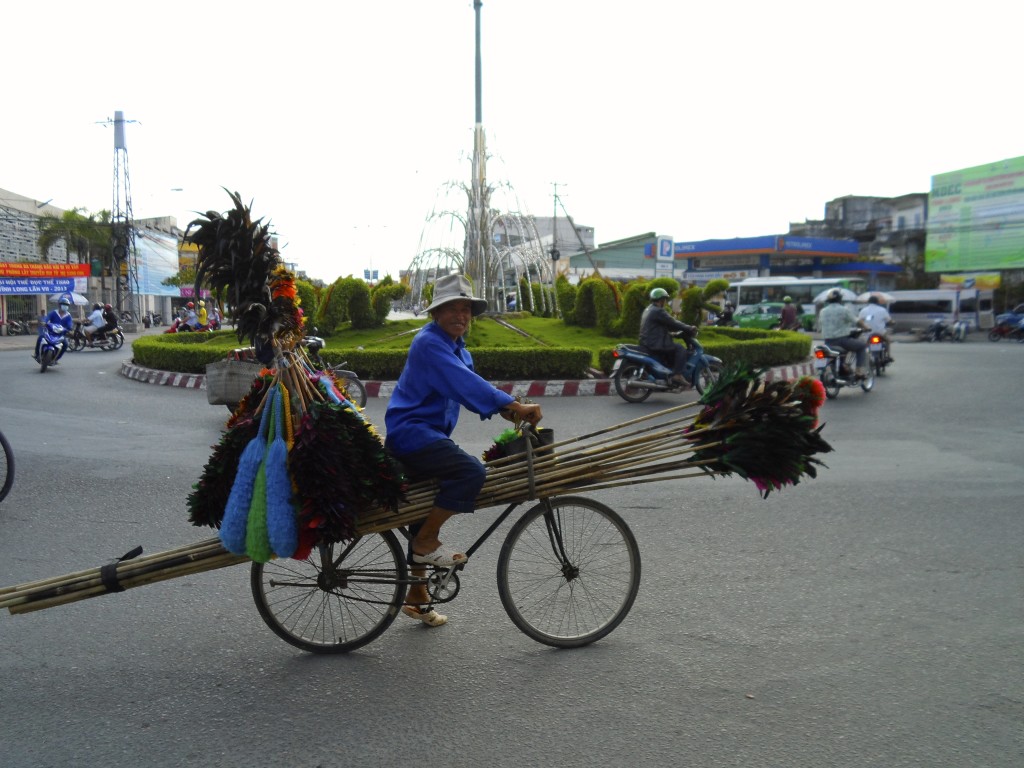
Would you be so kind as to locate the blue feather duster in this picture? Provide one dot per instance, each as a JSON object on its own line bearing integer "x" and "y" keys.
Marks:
{"x": 236, "y": 513}
{"x": 282, "y": 527}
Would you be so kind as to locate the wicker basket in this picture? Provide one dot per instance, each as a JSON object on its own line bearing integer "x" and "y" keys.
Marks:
{"x": 228, "y": 381}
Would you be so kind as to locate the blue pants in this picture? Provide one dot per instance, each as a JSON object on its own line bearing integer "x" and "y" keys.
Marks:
{"x": 460, "y": 476}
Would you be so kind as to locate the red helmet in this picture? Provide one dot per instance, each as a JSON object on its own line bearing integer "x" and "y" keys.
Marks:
{"x": 190, "y": 305}
{"x": 107, "y": 306}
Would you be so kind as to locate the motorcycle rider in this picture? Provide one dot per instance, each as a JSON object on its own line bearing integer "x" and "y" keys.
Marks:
{"x": 109, "y": 320}
{"x": 789, "y": 319}
{"x": 61, "y": 316}
{"x": 656, "y": 325}
{"x": 94, "y": 322}
{"x": 191, "y": 319}
{"x": 837, "y": 321}
{"x": 878, "y": 321}
{"x": 202, "y": 316}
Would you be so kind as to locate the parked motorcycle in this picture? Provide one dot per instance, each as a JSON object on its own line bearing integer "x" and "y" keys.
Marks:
{"x": 637, "y": 374}
{"x": 837, "y": 369}
{"x": 154, "y": 319}
{"x": 940, "y": 330}
{"x": 109, "y": 341}
{"x": 51, "y": 345}
{"x": 18, "y": 327}
{"x": 1007, "y": 327}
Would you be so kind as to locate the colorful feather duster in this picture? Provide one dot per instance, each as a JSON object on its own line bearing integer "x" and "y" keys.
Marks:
{"x": 767, "y": 433}
{"x": 271, "y": 489}
{"x": 234, "y": 527}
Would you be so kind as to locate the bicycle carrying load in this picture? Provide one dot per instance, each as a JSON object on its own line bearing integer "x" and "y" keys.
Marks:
{"x": 299, "y": 465}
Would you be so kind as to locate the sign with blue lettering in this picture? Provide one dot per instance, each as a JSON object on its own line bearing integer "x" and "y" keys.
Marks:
{"x": 666, "y": 250}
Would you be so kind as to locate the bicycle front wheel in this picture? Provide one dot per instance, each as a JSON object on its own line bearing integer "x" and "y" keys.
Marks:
{"x": 6, "y": 467}
{"x": 568, "y": 577}
{"x": 339, "y": 598}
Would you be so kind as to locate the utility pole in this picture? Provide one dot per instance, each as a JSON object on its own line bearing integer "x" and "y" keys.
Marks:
{"x": 124, "y": 256}
{"x": 576, "y": 231}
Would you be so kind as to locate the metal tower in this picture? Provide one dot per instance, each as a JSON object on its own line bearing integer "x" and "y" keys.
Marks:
{"x": 124, "y": 256}
{"x": 478, "y": 224}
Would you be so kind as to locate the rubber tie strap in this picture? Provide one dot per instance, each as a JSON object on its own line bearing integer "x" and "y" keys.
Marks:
{"x": 108, "y": 572}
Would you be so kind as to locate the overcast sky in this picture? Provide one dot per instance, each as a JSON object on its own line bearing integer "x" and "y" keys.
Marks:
{"x": 343, "y": 121}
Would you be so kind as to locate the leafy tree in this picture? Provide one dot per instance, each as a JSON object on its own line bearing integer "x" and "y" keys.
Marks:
{"x": 334, "y": 307}
{"x": 383, "y": 294}
{"x": 186, "y": 276}
{"x": 597, "y": 304}
{"x": 566, "y": 293}
{"x": 307, "y": 294}
{"x": 634, "y": 302}
{"x": 82, "y": 234}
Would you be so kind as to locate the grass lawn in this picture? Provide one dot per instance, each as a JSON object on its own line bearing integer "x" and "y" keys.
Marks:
{"x": 485, "y": 332}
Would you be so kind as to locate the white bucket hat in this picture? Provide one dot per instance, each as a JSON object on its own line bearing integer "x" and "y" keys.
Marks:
{"x": 453, "y": 288}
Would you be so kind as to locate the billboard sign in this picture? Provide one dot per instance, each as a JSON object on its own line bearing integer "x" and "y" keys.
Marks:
{"x": 976, "y": 218}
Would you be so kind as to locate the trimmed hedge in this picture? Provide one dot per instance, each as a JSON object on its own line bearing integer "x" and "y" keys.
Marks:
{"x": 755, "y": 347}
{"x": 191, "y": 352}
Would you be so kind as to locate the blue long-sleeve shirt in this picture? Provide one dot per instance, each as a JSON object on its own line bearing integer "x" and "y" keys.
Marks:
{"x": 437, "y": 379}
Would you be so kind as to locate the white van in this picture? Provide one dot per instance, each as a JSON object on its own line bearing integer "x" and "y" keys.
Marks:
{"x": 916, "y": 310}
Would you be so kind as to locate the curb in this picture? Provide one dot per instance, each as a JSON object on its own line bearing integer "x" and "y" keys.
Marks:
{"x": 559, "y": 388}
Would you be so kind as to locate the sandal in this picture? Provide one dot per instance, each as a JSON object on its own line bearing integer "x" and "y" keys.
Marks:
{"x": 442, "y": 557}
{"x": 429, "y": 617}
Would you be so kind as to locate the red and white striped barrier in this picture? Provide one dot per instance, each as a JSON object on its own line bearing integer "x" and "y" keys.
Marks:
{"x": 553, "y": 388}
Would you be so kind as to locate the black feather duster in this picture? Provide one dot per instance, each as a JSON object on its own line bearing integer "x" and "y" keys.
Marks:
{"x": 767, "y": 433}
{"x": 236, "y": 261}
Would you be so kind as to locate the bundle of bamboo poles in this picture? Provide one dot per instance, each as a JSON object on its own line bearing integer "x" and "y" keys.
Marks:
{"x": 60, "y": 590}
{"x": 647, "y": 449}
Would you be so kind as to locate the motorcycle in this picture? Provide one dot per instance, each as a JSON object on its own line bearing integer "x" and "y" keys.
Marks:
{"x": 878, "y": 348}
{"x": 51, "y": 345}
{"x": 637, "y": 374}
{"x": 836, "y": 369}
{"x": 940, "y": 330}
{"x": 109, "y": 341}
{"x": 1008, "y": 327}
{"x": 154, "y": 319}
{"x": 18, "y": 327}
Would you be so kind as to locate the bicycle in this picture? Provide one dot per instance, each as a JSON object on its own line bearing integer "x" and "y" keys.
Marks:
{"x": 568, "y": 573}
{"x": 6, "y": 467}
{"x": 355, "y": 389}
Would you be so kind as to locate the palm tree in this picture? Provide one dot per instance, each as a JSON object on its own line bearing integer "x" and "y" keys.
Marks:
{"x": 82, "y": 234}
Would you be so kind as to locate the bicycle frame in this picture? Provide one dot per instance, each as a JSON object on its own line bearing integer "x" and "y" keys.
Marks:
{"x": 448, "y": 574}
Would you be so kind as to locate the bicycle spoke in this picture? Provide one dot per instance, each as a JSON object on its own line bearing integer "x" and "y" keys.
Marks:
{"x": 339, "y": 609}
{"x": 576, "y": 598}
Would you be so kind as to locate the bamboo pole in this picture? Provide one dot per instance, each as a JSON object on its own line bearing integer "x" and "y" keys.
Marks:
{"x": 653, "y": 447}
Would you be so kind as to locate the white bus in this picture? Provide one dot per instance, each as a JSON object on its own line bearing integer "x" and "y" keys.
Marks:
{"x": 802, "y": 290}
{"x": 916, "y": 310}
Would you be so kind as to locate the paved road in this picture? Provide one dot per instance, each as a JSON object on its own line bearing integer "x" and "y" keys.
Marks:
{"x": 871, "y": 617}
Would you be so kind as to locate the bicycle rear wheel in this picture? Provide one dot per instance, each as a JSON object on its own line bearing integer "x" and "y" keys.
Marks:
{"x": 6, "y": 467}
{"x": 573, "y": 600}
{"x": 339, "y": 598}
